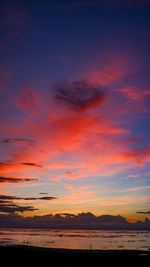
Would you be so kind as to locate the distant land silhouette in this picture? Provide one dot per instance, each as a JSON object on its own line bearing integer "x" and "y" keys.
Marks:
{"x": 71, "y": 221}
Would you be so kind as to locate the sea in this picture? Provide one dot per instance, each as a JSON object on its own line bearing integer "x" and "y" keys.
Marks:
{"x": 77, "y": 239}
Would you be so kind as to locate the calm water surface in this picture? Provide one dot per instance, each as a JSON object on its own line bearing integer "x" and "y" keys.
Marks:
{"x": 77, "y": 239}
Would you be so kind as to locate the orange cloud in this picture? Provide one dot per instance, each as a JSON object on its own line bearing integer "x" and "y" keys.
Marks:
{"x": 134, "y": 175}
{"x": 69, "y": 186}
{"x": 7, "y": 167}
{"x": 115, "y": 203}
{"x": 82, "y": 173}
{"x": 71, "y": 175}
{"x": 80, "y": 188}
{"x": 121, "y": 201}
{"x": 83, "y": 187}
{"x": 78, "y": 196}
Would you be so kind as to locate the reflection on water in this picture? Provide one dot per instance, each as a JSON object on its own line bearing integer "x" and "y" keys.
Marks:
{"x": 77, "y": 239}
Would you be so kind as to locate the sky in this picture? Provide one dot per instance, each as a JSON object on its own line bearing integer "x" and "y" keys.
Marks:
{"x": 74, "y": 107}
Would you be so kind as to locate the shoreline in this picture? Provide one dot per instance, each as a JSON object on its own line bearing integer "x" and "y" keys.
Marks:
{"x": 15, "y": 254}
{"x": 47, "y": 249}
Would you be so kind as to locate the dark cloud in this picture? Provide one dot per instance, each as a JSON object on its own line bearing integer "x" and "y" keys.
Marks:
{"x": 78, "y": 95}
{"x": 143, "y": 212}
{"x": 67, "y": 221}
{"x": 17, "y": 140}
{"x": 31, "y": 164}
{"x": 5, "y": 197}
{"x": 7, "y": 204}
{"x": 47, "y": 198}
{"x": 42, "y": 193}
{"x": 13, "y": 208}
{"x": 11, "y": 163}
{"x": 5, "y": 163}
{"x": 15, "y": 179}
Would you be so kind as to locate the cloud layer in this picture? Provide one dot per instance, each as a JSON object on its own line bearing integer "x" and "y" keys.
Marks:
{"x": 8, "y": 206}
{"x": 15, "y": 179}
{"x": 71, "y": 221}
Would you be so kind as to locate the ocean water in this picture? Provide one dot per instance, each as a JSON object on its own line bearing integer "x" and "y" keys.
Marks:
{"x": 77, "y": 239}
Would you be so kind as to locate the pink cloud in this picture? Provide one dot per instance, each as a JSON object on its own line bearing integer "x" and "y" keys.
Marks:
{"x": 132, "y": 93}
{"x": 71, "y": 175}
{"x": 73, "y": 187}
{"x": 112, "y": 72}
{"x": 82, "y": 173}
{"x": 29, "y": 101}
{"x": 136, "y": 98}
{"x": 69, "y": 187}
{"x": 90, "y": 137}
{"x": 139, "y": 156}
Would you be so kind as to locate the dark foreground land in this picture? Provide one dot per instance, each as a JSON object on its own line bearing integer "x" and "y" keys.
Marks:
{"x": 34, "y": 256}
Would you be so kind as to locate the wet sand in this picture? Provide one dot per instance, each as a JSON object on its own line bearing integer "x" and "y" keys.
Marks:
{"x": 33, "y": 256}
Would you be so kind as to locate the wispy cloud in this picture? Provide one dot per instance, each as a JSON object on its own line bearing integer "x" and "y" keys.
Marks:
{"x": 5, "y": 197}
{"x": 31, "y": 164}
{"x": 7, "y": 166}
{"x": 13, "y": 208}
{"x": 133, "y": 175}
{"x": 8, "y": 205}
{"x": 15, "y": 179}
{"x": 143, "y": 212}
{"x": 139, "y": 188}
{"x": 17, "y": 140}
{"x": 69, "y": 187}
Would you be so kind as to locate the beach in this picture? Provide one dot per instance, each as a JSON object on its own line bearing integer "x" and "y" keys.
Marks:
{"x": 27, "y": 255}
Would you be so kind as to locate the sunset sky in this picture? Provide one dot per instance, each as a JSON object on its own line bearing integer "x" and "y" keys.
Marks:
{"x": 75, "y": 107}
